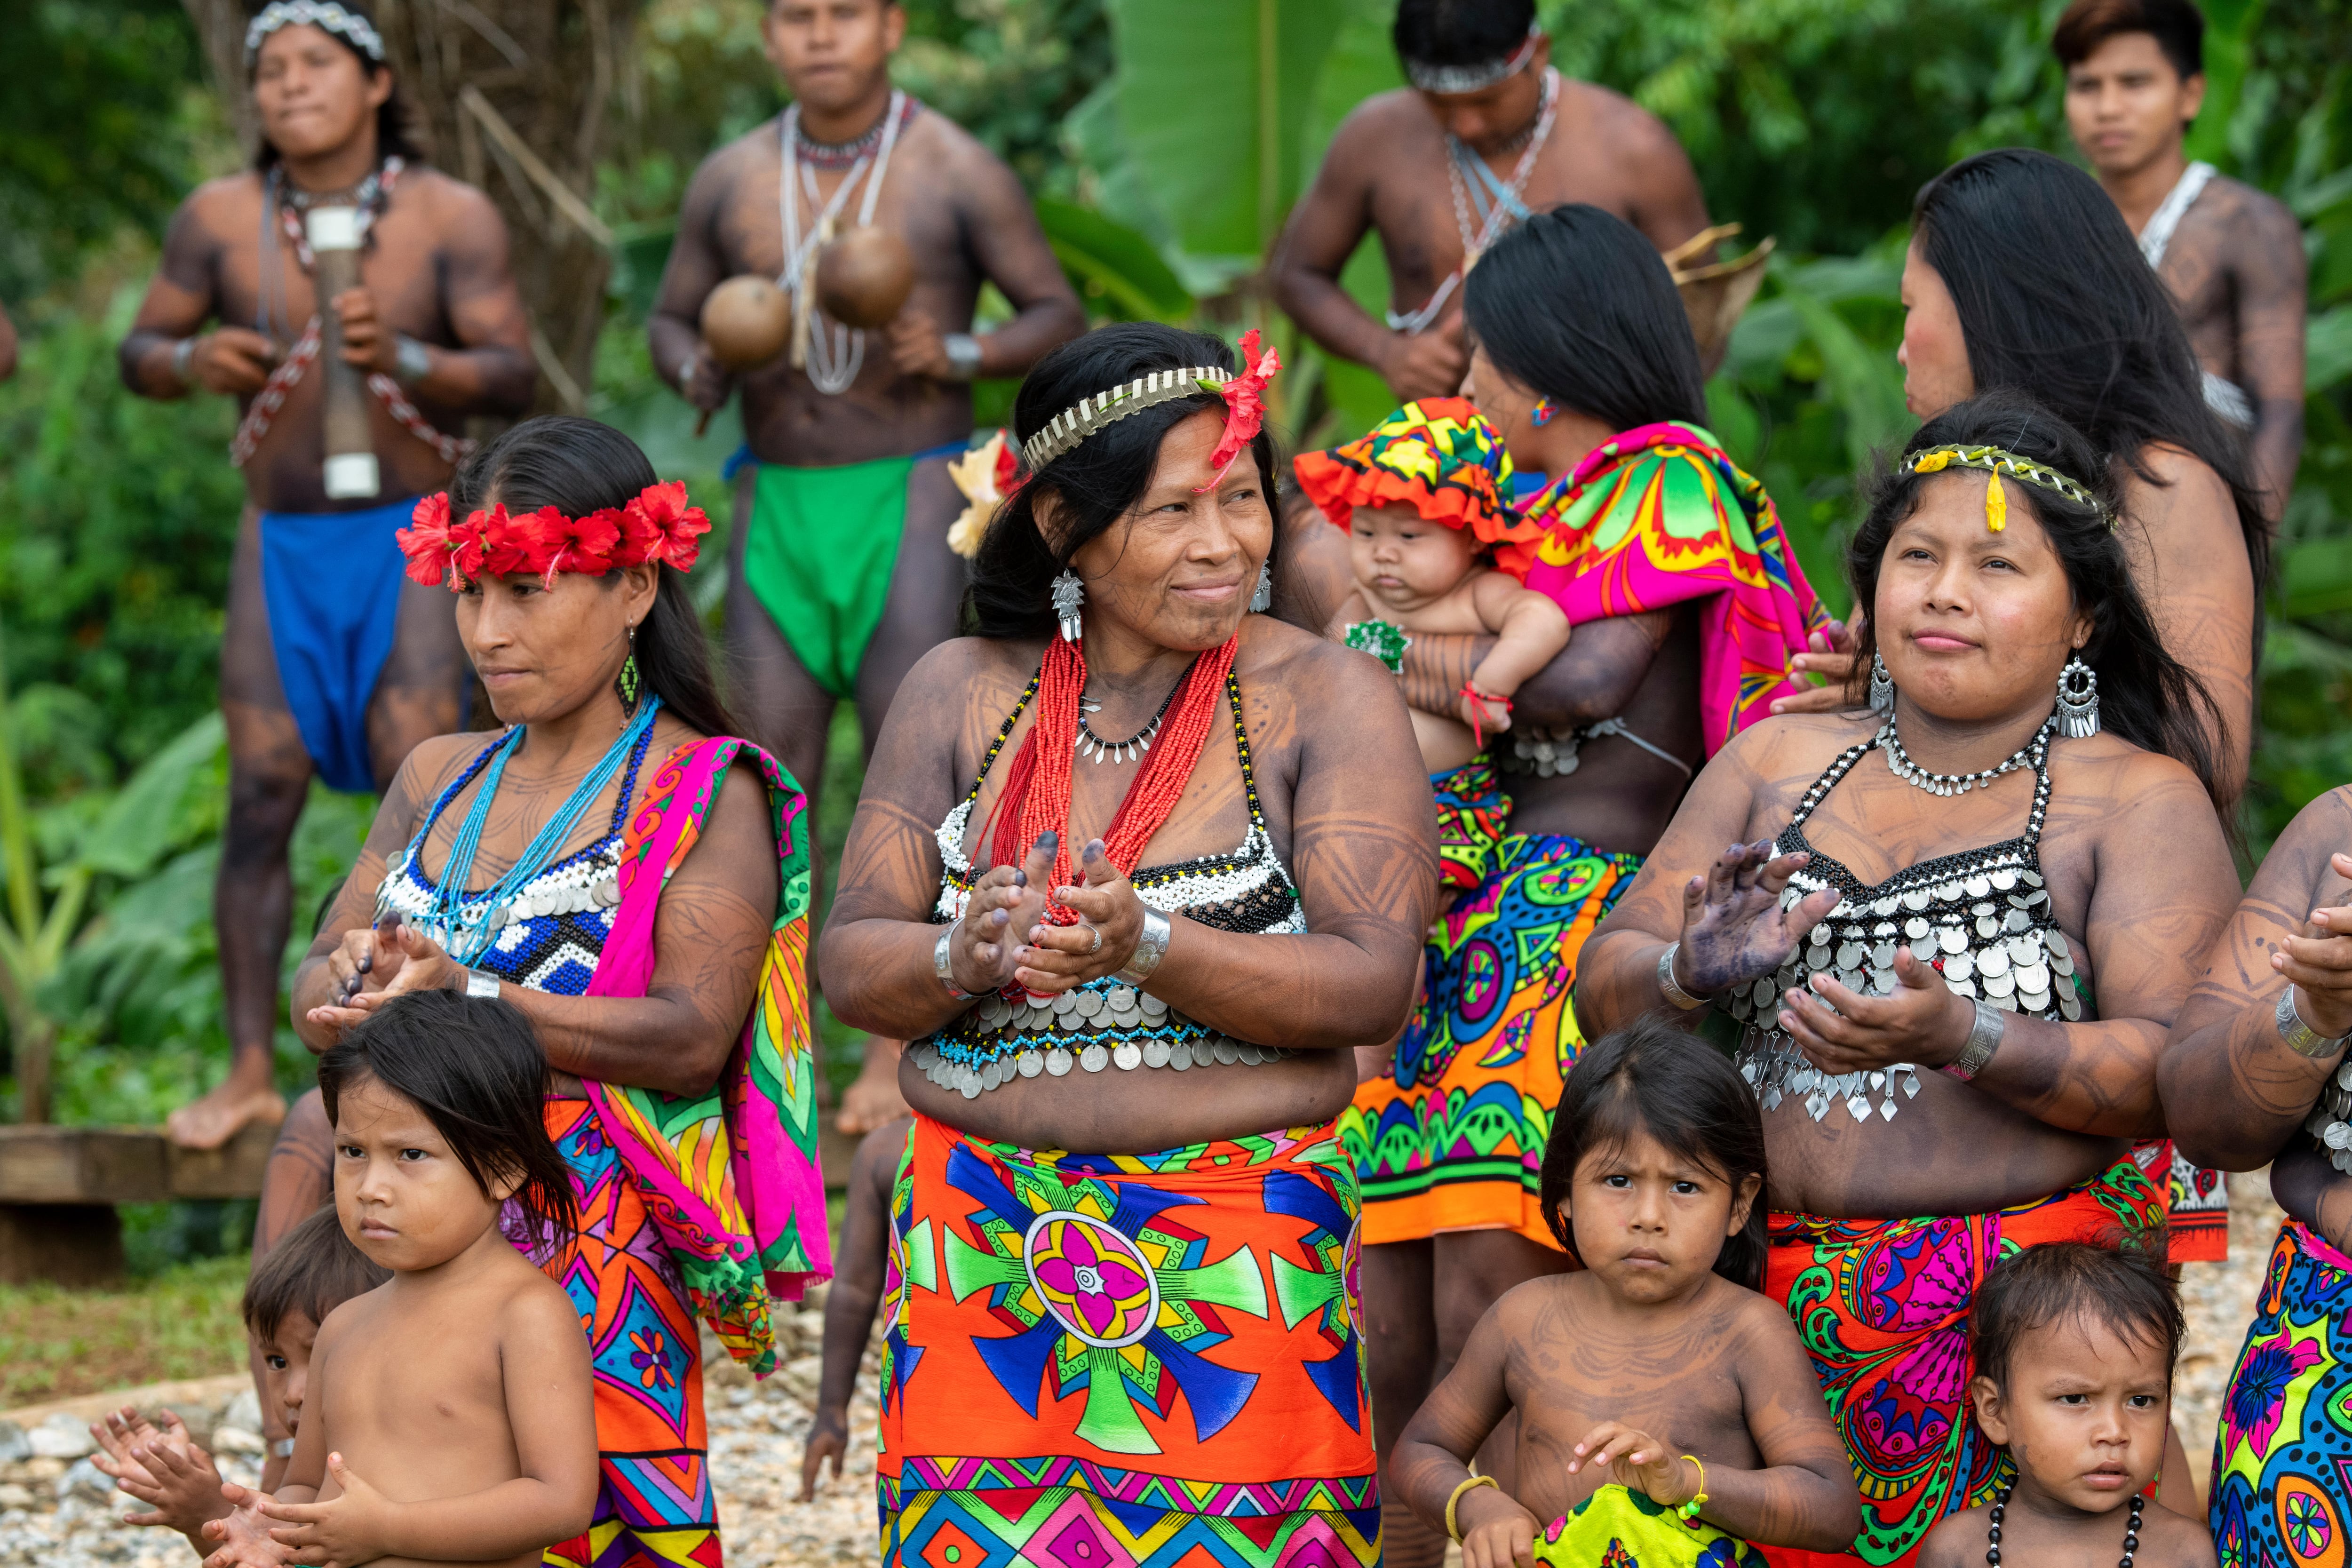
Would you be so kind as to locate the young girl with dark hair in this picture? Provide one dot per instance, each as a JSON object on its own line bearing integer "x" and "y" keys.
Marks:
{"x": 622, "y": 868}
{"x": 1653, "y": 1181}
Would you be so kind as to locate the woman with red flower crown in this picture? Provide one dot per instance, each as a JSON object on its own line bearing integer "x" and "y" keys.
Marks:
{"x": 1130, "y": 831}
{"x": 556, "y": 870}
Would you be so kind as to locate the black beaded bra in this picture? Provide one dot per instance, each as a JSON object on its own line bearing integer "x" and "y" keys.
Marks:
{"x": 1983, "y": 918}
{"x": 1104, "y": 1023}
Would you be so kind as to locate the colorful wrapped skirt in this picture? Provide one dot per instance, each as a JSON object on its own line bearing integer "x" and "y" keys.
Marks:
{"x": 2282, "y": 1492}
{"x": 1474, "y": 815}
{"x": 1125, "y": 1361}
{"x": 1882, "y": 1306}
{"x": 1617, "y": 1527}
{"x": 2196, "y": 1203}
{"x": 654, "y": 1504}
{"x": 1452, "y": 1136}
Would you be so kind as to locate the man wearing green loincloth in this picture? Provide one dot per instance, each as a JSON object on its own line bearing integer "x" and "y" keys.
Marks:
{"x": 841, "y": 577}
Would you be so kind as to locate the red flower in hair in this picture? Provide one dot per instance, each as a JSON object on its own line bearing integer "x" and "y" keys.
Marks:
{"x": 1244, "y": 397}
{"x": 660, "y": 526}
{"x": 553, "y": 543}
{"x": 469, "y": 541}
{"x": 425, "y": 541}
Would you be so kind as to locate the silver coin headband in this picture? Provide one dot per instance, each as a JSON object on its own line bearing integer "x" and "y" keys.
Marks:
{"x": 324, "y": 15}
{"x": 1066, "y": 430}
{"x": 1477, "y": 78}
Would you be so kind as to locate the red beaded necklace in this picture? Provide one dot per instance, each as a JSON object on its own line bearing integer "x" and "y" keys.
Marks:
{"x": 1036, "y": 797}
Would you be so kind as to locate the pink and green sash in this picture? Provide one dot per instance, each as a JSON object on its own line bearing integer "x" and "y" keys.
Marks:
{"x": 730, "y": 1177}
{"x": 1659, "y": 515}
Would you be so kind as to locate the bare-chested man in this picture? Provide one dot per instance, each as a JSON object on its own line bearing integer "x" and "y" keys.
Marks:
{"x": 331, "y": 662}
{"x": 1487, "y": 133}
{"x": 841, "y": 576}
{"x": 2232, "y": 256}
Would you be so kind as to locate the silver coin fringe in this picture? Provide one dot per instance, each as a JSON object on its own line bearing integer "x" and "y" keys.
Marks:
{"x": 1030, "y": 1038}
{"x": 2330, "y": 1124}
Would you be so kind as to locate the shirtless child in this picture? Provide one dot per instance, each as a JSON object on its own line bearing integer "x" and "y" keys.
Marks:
{"x": 449, "y": 1417}
{"x": 2074, "y": 1346}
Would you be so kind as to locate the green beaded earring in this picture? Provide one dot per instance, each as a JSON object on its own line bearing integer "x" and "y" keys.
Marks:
{"x": 628, "y": 684}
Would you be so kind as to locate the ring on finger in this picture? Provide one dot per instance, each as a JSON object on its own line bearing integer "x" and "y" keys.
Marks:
{"x": 1097, "y": 946}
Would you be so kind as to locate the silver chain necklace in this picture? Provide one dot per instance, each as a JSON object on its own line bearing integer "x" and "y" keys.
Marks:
{"x": 1899, "y": 762}
{"x": 1498, "y": 217}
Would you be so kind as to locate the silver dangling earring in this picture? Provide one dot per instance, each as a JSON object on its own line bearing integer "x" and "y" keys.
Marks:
{"x": 1068, "y": 595}
{"x": 2078, "y": 700}
{"x": 1882, "y": 686}
{"x": 1263, "y": 600}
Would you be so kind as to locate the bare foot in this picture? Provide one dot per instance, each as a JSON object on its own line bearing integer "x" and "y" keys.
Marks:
{"x": 246, "y": 1097}
{"x": 874, "y": 1097}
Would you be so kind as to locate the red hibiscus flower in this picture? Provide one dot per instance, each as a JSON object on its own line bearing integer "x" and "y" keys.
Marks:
{"x": 425, "y": 541}
{"x": 661, "y": 527}
{"x": 1244, "y": 397}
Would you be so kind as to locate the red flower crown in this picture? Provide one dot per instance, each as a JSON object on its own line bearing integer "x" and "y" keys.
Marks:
{"x": 657, "y": 525}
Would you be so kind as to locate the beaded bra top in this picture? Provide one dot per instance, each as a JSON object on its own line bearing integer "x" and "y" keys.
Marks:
{"x": 549, "y": 938}
{"x": 1105, "y": 1023}
{"x": 1983, "y": 918}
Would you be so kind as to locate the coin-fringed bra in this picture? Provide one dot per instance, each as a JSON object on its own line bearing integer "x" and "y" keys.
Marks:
{"x": 1982, "y": 918}
{"x": 1103, "y": 1023}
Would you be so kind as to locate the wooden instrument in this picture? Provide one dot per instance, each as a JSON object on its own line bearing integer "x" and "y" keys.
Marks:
{"x": 747, "y": 321}
{"x": 862, "y": 279}
{"x": 1716, "y": 296}
{"x": 352, "y": 475}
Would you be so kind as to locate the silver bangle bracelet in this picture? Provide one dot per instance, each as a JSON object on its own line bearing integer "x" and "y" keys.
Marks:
{"x": 1671, "y": 988}
{"x": 2300, "y": 1038}
{"x": 964, "y": 352}
{"x": 412, "y": 362}
{"x": 482, "y": 984}
{"x": 944, "y": 967}
{"x": 1984, "y": 1038}
{"x": 1149, "y": 948}
{"x": 183, "y": 354}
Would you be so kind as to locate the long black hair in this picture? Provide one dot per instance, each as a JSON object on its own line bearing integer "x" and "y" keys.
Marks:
{"x": 2054, "y": 299}
{"x": 1575, "y": 304}
{"x": 397, "y": 132}
{"x": 1100, "y": 480}
{"x": 577, "y": 466}
{"x": 1651, "y": 1077}
{"x": 472, "y": 1065}
{"x": 2145, "y": 695}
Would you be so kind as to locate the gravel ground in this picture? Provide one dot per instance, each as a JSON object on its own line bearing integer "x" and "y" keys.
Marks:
{"x": 56, "y": 1511}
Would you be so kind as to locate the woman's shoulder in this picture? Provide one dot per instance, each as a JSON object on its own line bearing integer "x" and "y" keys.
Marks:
{"x": 437, "y": 760}
{"x": 1318, "y": 681}
{"x": 2120, "y": 777}
{"x": 1785, "y": 746}
{"x": 2167, "y": 484}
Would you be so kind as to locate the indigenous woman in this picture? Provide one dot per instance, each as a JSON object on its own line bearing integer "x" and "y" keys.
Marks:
{"x": 2023, "y": 274}
{"x": 2253, "y": 1076}
{"x": 1951, "y": 956}
{"x": 635, "y": 880}
{"x": 1135, "y": 870}
{"x": 1688, "y": 604}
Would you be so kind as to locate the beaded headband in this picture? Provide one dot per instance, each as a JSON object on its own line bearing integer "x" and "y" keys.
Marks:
{"x": 324, "y": 15}
{"x": 1997, "y": 461}
{"x": 1477, "y": 77}
{"x": 655, "y": 525}
{"x": 1243, "y": 395}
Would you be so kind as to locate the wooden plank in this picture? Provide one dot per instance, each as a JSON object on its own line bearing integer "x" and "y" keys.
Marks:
{"x": 83, "y": 1165}
{"x": 232, "y": 1171}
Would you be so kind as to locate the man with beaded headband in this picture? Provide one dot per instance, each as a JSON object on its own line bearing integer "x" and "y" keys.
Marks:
{"x": 328, "y": 666}
{"x": 1487, "y": 134}
{"x": 841, "y": 575}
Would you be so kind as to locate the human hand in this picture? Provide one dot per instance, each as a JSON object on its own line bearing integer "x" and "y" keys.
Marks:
{"x": 1842, "y": 1031}
{"x": 232, "y": 361}
{"x": 162, "y": 1467}
{"x": 1497, "y": 1531}
{"x": 1484, "y": 712}
{"x": 338, "y": 1533}
{"x": 367, "y": 342}
{"x": 1102, "y": 941}
{"x": 706, "y": 382}
{"x": 1734, "y": 928}
{"x": 1006, "y": 901}
{"x": 1831, "y": 655}
{"x": 403, "y": 960}
{"x": 1427, "y": 364}
{"x": 2319, "y": 961}
{"x": 1638, "y": 1462}
{"x": 828, "y": 1438}
{"x": 917, "y": 346}
{"x": 242, "y": 1533}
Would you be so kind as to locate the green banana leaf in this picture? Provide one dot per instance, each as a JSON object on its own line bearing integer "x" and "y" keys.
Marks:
{"x": 1118, "y": 271}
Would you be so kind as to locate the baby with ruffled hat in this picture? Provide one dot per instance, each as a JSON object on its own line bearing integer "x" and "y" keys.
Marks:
{"x": 1421, "y": 498}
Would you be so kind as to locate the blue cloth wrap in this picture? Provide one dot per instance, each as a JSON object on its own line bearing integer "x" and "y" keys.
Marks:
{"x": 331, "y": 581}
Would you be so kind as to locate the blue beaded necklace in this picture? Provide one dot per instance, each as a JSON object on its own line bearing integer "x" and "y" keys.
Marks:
{"x": 466, "y": 923}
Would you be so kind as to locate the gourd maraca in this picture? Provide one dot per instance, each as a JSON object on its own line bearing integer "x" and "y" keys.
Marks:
{"x": 863, "y": 277}
{"x": 747, "y": 322}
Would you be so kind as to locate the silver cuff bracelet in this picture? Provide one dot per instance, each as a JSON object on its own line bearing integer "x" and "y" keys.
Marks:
{"x": 1984, "y": 1038}
{"x": 944, "y": 968}
{"x": 1149, "y": 948}
{"x": 1671, "y": 988}
{"x": 482, "y": 983}
{"x": 412, "y": 362}
{"x": 963, "y": 353}
{"x": 2300, "y": 1038}
{"x": 183, "y": 354}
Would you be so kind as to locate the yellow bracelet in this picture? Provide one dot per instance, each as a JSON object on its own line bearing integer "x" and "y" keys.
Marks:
{"x": 1452, "y": 1530}
{"x": 1697, "y": 1498}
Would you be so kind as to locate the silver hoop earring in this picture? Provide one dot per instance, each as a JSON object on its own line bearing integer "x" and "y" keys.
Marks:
{"x": 1068, "y": 595}
{"x": 1263, "y": 600}
{"x": 2078, "y": 700}
{"x": 1882, "y": 686}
